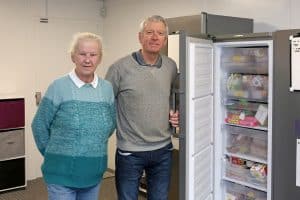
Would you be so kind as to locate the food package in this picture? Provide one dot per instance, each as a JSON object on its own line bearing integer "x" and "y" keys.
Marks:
{"x": 247, "y": 86}
{"x": 259, "y": 172}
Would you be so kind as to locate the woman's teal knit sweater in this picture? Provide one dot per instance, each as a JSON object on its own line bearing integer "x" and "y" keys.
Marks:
{"x": 71, "y": 129}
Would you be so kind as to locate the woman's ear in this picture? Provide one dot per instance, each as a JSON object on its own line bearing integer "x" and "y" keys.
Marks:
{"x": 72, "y": 58}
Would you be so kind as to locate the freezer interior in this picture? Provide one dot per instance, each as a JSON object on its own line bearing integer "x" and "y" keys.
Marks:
{"x": 242, "y": 120}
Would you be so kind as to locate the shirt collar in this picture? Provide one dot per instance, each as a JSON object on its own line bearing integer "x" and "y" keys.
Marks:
{"x": 79, "y": 83}
{"x": 139, "y": 58}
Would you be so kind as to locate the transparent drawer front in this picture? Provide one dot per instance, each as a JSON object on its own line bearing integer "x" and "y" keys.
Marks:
{"x": 247, "y": 141}
{"x": 245, "y": 60}
{"x": 246, "y": 114}
{"x": 247, "y": 86}
{"x": 239, "y": 192}
{"x": 246, "y": 171}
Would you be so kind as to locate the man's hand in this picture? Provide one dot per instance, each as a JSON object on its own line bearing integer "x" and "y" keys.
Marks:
{"x": 174, "y": 118}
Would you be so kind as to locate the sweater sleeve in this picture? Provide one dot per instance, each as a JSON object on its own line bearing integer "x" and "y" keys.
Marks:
{"x": 114, "y": 78}
{"x": 43, "y": 118}
{"x": 113, "y": 114}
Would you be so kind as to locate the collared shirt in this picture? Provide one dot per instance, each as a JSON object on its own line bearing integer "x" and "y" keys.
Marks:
{"x": 139, "y": 58}
{"x": 79, "y": 83}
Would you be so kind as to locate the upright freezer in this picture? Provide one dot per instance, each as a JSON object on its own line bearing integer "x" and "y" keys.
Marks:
{"x": 236, "y": 110}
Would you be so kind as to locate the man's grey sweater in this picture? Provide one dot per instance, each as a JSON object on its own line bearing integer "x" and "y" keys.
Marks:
{"x": 142, "y": 98}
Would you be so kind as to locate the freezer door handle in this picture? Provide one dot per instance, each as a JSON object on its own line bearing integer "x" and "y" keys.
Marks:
{"x": 173, "y": 107}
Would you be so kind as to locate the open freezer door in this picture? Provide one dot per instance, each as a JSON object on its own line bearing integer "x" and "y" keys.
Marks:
{"x": 194, "y": 56}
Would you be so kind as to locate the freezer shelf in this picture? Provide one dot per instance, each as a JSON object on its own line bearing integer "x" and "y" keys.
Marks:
{"x": 254, "y": 128}
{"x": 239, "y": 192}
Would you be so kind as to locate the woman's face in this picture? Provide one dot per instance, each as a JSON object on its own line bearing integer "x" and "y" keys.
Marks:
{"x": 87, "y": 57}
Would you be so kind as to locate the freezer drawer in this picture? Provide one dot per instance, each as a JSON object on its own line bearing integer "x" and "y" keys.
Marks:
{"x": 251, "y": 87}
{"x": 245, "y": 113}
{"x": 12, "y": 143}
{"x": 239, "y": 192}
{"x": 246, "y": 142}
{"x": 246, "y": 172}
{"x": 248, "y": 60}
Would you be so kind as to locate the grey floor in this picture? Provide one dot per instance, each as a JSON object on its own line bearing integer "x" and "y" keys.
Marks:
{"x": 36, "y": 190}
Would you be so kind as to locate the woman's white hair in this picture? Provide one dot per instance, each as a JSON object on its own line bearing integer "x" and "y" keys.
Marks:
{"x": 85, "y": 36}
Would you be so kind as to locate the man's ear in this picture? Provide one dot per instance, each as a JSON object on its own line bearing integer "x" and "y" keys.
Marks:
{"x": 140, "y": 37}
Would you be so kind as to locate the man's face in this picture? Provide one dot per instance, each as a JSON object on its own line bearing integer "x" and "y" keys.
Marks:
{"x": 153, "y": 38}
{"x": 86, "y": 58}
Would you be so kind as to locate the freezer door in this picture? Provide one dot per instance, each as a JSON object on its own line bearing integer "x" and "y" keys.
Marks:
{"x": 199, "y": 118}
{"x": 194, "y": 57}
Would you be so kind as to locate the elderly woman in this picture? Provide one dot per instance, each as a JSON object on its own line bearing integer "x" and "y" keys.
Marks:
{"x": 73, "y": 123}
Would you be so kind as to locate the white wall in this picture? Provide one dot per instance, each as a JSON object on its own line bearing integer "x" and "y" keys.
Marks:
{"x": 33, "y": 54}
{"x": 123, "y": 18}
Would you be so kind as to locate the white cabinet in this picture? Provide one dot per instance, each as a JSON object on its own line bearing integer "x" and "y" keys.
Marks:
{"x": 12, "y": 144}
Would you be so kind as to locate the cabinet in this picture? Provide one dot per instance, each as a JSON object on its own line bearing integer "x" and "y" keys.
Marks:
{"x": 12, "y": 144}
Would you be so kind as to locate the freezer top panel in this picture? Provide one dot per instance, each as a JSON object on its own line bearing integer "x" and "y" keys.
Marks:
{"x": 220, "y": 24}
{"x": 244, "y": 36}
{"x": 190, "y": 24}
{"x": 210, "y": 24}
{"x": 244, "y": 43}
